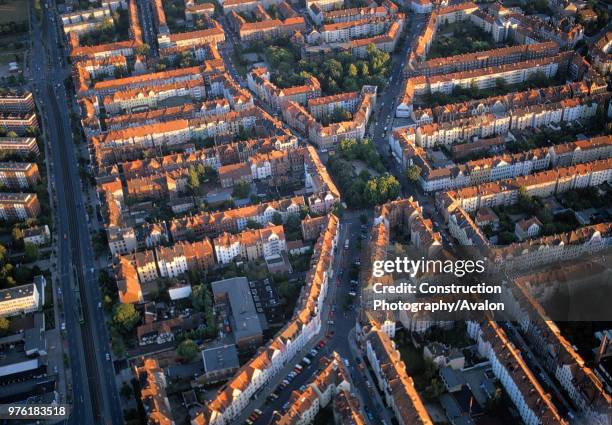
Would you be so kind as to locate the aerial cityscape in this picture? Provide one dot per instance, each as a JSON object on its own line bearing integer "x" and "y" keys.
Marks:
{"x": 292, "y": 212}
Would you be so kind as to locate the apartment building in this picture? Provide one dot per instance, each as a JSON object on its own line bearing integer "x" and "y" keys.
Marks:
{"x": 602, "y": 53}
{"x": 478, "y": 60}
{"x": 145, "y": 98}
{"x": 259, "y": 82}
{"x": 251, "y": 244}
{"x": 21, "y": 146}
{"x": 18, "y": 206}
{"x": 324, "y": 5}
{"x": 18, "y": 300}
{"x": 365, "y": 27}
{"x": 18, "y": 122}
{"x": 520, "y": 383}
{"x": 232, "y": 221}
{"x": 512, "y": 73}
{"x": 560, "y": 358}
{"x": 16, "y": 102}
{"x": 540, "y": 184}
{"x": 232, "y": 398}
{"x": 390, "y": 372}
{"x": 19, "y": 175}
{"x": 128, "y": 283}
{"x": 152, "y": 383}
{"x": 331, "y": 385}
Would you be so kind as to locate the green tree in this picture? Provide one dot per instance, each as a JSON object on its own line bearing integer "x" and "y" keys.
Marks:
{"x": 125, "y": 317}
{"x": 126, "y": 391}
{"x": 30, "y": 252}
{"x": 193, "y": 179}
{"x": 187, "y": 350}
{"x": 4, "y": 326}
{"x": 241, "y": 190}
{"x": 277, "y": 219}
{"x": 413, "y": 173}
{"x": 144, "y": 50}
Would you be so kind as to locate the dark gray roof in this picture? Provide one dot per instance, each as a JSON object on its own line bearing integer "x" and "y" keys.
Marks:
{"x": 218, "y": 357}
{"x": 245, "y": 322}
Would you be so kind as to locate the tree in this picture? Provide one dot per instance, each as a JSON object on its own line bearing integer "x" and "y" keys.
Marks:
{"x": 413, "y": 173}
{"x": 30, "y": 252}
{"x": 125, "y": 317}
{"x": 277, "y": 219}
{"x": 126, "y": 391}
{"x": 352, "y": 71}
{"x": 193, "y": 179}
{"x": 4, "y": 326}
{"x": 434, "y": 389}
{"x": 187, "y": 350}
{"x": 241, "y": 190}
{"x": 143, "y": 49}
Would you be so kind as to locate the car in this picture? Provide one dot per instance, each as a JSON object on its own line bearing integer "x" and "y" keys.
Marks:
{"x": 248, "y": 421}
{"x": 258, "y": 412}
{"x": 333, "y": 307}
{"x": 302, "y": 388}
{"x": 313, "y": 352}
{"x": 330, "y": 322}
{"x": 286, "y": 406}
{"x": 306, "y": 360}
{"x": 108, "y": 357}
{"x": 63, "y": 326}
{"x": 322, "y": 343}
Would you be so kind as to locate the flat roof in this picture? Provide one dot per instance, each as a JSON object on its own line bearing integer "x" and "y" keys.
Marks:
{"x": 244, "y": 315}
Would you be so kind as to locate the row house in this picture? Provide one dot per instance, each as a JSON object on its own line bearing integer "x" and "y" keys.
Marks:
{"x": 18, "y": 206}
{"x": 601, "y": 53}
{"x": 355, "y": 14}
{"x": 361, "y": 28}
{"x": 251, "y": 244}
{"x": 247, "y": 5}
{"x": 179, "y": 75}
{"x": 145, "y": 98}
{"x": 259, "y": 82}
{"x": 330, "y": 384}
{"x": 270, "y": 29}
{"x": 391, "y": 377}
{"x": 232, "y": 398}
{"x": 485, "y": 78}
{"x": 540, "y": 184}
{"x": 183, "y": 256}
{"x": 533, "y": 404}
{"x": 19, "y": 175}
{"x": 168, "y": 262}
{"x": 324, "y": 5}
{"x": 485, "y": 59}
{"x": 560, "y": 358}
{"x": 324, "y": 195}
{"x": 232, "y": 221}
{"x": 559, "y": 248}
{"x": 322, "y": 106}
{"x": 213, "y": 34}
{"x": 152, "y": 383}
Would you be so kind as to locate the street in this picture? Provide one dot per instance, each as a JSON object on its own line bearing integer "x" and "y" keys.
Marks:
{"x": 95, "y": 396}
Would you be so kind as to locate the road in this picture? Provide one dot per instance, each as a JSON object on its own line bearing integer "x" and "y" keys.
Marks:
{"x": 146, "y": 23}
{"x": 343, "y": 324}
{"x": 95, "y": 396}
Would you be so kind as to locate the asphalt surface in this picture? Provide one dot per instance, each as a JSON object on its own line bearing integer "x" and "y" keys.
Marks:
{"x": 95, "y": 396}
